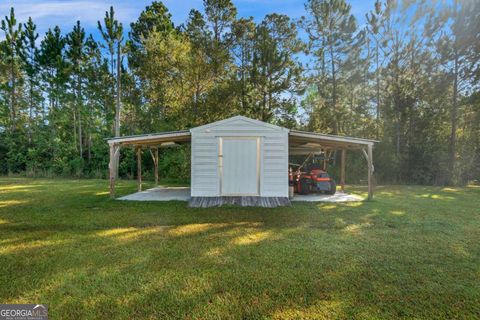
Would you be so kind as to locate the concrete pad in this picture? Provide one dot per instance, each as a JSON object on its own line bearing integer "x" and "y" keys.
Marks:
{"x": 163, "y": 193}
{"x": 319, "y": 197}
{"x": 160, "y": 193}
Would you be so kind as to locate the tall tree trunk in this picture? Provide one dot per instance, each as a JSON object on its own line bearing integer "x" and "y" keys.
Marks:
{"x": 377, "y": 75}
{"x": 80, "y": 103}
{"x": 243, "y": 55}
{"x": 269, "y": 90}
{"x": 52, "y": 111}
{"x": 119, "y": 93}
{"x": 75, "y": 123}
{"x": 80, "y": 137}
{"x": 454, "y": 120}
{"x": 119, "y": 90}
{"x": 397, "y": 96}
{"x": 12, "y": 97}
{"x": 334, "y": 91}
{"x": 30, "y": 111}
{"x": 89, "y": 146}
{"x": 112, "y": 72}
{"x": 112, "y": 54}
{"x": 454, "y": 110}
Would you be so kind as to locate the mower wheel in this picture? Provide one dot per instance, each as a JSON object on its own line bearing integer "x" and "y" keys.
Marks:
{"x": 333, "y": 187}
{"x": 304, "y": 186}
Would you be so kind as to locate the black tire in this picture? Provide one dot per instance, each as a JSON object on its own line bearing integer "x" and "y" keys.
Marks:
{"x": 304, "y": 186}
{"x": 333, "y": 188}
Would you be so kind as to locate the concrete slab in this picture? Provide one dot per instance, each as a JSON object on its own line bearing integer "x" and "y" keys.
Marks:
{"x": 163, "y": 193}
{"x": 337, "y": 197}
{"x": 160, "y": 193}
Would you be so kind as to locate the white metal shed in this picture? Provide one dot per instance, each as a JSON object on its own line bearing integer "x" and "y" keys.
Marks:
{"x": 239, "y": 157}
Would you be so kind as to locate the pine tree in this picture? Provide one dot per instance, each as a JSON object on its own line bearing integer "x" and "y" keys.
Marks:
{"x": 332, "y": 32}
{"x": 32, "y": 70}
{"x": 112, "y": 34}
{"x": 76, "y": 55}
{"x": 221, "y": 14}
{"x": 204, "y": 72}
{"x": 243, "y": 33}
{"x": 155, "y": 18}
{"x": 96, "y": 93}
{"x": 375, "y": 21}
{"x": 52, "y": 62}
{"x": 275, "y": 73}
{"x": 14, "y": 52}
{"x": 455, "y": 47}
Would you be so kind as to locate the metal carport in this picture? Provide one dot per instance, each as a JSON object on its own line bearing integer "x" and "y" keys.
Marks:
{"x": 304, "y": 142}
{"x": 300, "y": 143}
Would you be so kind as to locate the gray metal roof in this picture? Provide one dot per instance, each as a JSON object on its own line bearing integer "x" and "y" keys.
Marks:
{"x": 331, "y": 137}
{"x": 152, "y": 138}
{"x": 298, "y": 139}
{"x": 304, "y": 142}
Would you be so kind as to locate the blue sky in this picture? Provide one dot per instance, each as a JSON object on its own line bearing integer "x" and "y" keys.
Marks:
{"x": 64, "y": 13}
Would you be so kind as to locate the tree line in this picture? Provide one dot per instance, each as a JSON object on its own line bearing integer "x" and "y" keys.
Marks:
{"x": 408, "y": 77}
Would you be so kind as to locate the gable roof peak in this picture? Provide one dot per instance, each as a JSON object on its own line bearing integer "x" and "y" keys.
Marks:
{"x": 238, "y": 117}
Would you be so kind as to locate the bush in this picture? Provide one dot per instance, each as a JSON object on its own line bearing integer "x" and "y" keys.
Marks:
{"x": 174, "y": 163}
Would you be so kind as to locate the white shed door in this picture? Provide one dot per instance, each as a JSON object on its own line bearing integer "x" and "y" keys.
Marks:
{"x": 240, "y": 171}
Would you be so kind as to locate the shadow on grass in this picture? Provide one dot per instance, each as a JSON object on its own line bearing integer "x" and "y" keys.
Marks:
{"x": 243, "y": 268}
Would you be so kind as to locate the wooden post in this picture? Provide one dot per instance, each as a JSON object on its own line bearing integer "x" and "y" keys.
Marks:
{"x": 111, "y": 167}
{"x": 342, "y": 169}
{"x": 139, "y": 168}
{"x": 370, "y": 172}
{"x": 155, "y": 164}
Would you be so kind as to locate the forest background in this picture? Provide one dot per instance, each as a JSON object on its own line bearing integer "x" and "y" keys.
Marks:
{"x": 408, "y": 76}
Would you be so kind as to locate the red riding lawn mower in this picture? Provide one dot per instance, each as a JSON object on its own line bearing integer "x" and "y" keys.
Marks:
{"x": 309, "y": 178}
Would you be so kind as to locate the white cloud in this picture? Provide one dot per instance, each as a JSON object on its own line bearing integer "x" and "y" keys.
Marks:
{"x": 47, "y": 14}
{"x": 88, "y": 11}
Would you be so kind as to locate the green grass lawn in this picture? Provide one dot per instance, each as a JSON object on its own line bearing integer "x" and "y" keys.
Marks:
{"x": 413, "y": 252}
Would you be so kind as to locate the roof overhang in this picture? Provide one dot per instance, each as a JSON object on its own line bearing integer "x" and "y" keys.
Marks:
{"x": 300, "y": 142}
{"x": 303, "y": 142}
{"x": 154, "y": 139}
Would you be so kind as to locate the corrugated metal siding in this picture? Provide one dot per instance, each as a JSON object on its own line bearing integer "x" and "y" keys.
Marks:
{"x": 204, "y": 171}
{"x": 273, "y": 163}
